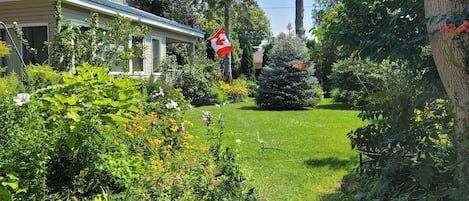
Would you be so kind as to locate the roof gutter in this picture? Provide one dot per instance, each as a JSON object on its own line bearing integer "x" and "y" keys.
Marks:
{"x": 113, "y": 12}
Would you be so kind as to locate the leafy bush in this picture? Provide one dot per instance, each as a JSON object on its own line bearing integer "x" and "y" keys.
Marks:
{"x": 25, "y": 146}
{"x": 40, "y": 76}
{"x": 196, "y": 79}
{"x": 100, "y": 45}
{"x": 4, "y": 49}
{"x": 287, "y": 82}
{"x": 10, "y": 85}
{"x": 93, "y": 136}
{"x": 353, "y": 80}
{"x": 411, "y": 118}
{"x": 232, "y": 93}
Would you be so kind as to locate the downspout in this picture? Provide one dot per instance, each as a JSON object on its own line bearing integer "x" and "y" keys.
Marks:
{"x": 14, "y": 45}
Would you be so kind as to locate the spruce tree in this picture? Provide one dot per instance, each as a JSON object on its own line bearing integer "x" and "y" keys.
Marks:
{"x": 286, "y": 82}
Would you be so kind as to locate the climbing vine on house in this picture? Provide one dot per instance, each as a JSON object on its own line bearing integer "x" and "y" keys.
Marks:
{"x": 100, "y": 44}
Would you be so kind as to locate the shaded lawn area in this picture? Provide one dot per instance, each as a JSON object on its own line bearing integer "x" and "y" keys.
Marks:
{"x": 311, "y": 150}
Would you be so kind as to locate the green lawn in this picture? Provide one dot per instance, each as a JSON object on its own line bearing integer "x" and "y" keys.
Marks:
{"x": 315, "y": 151}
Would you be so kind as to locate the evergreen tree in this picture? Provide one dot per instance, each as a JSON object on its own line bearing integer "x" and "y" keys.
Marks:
{"x": 247, "y": 62}
{"x": 286, "y": 82}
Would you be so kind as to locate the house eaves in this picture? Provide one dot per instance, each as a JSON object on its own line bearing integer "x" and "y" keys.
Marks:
{"x": 113, "y": 9}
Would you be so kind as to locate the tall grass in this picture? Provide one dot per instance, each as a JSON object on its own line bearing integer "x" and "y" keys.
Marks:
{"x": 306, "y": 152}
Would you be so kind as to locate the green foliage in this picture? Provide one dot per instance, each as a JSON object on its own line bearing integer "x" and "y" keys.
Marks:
{"x": 247, "y": 62}
{"x": 353, "y": 80}
{"x": 193, "y": 176}
{"x": 230, "y": 93}
{"x": 25, "y": 146}
{"x": 250, "y": 23}
{"x": 40, "y": 76}
{"x": 177, "y": 10}
{"x": 281, "y": 85}
{"x": 98, "y": 45}
{"x": 4, "y": 49}
{"x": 76, "y": 112}
{"x": 91, "y": 135}
{"x": 403, "y": 120}
{"x": 10, "y": 85}
{"x": 196, "y": 79}
{"x": 9, "y": 187}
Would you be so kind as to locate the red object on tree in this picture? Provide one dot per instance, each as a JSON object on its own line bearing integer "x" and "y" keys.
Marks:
{"x": 299, "y": 66}
{"x": 220, "y": 43}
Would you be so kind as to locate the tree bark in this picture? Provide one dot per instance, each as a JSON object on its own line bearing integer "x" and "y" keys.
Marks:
{"x": 228, "y": 75}
{"x": 455, "y": 79}
{"x": 299, "y": 28}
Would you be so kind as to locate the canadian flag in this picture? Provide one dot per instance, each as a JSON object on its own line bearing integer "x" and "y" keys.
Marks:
{"x": 220, "y": 43}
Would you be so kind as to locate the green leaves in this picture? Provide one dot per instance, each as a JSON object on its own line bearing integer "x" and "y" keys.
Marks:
{"x": 9, "y": 187}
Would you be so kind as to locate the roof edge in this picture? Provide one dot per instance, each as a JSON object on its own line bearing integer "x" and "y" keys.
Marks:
{"x": 136, "y": 15}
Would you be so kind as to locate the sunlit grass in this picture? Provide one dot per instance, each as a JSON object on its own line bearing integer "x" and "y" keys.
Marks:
{"x": 311, "y": 150}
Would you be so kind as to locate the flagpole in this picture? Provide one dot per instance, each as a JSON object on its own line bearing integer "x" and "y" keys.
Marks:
{"x": 228, "y": 75}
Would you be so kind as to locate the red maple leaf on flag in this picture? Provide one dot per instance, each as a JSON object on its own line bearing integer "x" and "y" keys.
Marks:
{"x": 220, "y": 43}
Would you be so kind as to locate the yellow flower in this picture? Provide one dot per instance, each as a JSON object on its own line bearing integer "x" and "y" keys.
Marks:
{"x": 128, "y": 133}
{"x": 74, "y": 198}
{"x": 189, "y": 123}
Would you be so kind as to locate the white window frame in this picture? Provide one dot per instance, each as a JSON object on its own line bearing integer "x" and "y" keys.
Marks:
{"x": 160, "y": 45}
{"x": 131, "y": 69}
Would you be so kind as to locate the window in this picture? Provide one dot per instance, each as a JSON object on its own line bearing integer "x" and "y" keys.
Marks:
{"x": 136, "y": 64}
{"x": 36, "y": 36}
{"x": 156, "y": 52}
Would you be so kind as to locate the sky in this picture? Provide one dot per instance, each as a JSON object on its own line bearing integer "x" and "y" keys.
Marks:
{"x": 282, "y": 12}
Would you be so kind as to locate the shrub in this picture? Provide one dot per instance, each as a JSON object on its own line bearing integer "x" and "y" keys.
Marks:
{"x": 25, "y": 146}
{"x": 411, "y": 117}
{"x": 4, "y": 49}
{"x": 287, "y": 82}
{"x": 10, "y": 85}
{"x": 94, "y": 136}
{"x": 196, "y": 79}
{"x": 247, "y": 62}
{"x": 353, "y": 80}
{"x": 232, "y": 93}
{"x": 40, "y": 76}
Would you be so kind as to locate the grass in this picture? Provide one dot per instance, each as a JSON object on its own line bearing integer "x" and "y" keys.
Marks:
{"x": 312, "y": 152}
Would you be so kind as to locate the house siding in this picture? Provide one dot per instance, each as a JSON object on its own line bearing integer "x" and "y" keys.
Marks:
{"x": 26, "y": 14}
{"x": 41, "y": 13}
{"x": 29, "y": 13}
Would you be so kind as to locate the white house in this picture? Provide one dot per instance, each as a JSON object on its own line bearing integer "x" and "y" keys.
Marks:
{"x": 37, "y": 21}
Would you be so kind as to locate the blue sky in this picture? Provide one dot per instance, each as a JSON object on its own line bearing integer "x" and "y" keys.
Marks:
{"x": 282, "y": 12}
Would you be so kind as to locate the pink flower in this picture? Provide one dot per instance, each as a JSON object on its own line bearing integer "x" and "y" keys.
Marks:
{"x": 335, "y": 14}
{"x": 161, "y": 93}
{"x": 206, "y": 116}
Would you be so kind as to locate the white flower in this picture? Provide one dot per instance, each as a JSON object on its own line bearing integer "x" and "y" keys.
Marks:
{"x": 238, "y": 141}
{"x": 22, "y": 98}
{"x": 172, "y": 105}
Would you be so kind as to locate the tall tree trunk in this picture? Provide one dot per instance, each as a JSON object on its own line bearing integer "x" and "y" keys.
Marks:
{"x": 455, "y": 79}
{"x": 228, "y": 75}
{"x": 300, "y": 9}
